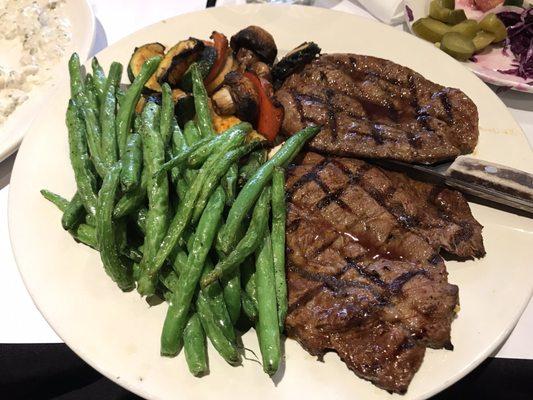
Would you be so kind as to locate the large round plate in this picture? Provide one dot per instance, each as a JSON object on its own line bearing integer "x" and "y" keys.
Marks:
{"x": 12, "y": 131}
{"x": 118, "y": 333}
{"x": 489, "y": 62}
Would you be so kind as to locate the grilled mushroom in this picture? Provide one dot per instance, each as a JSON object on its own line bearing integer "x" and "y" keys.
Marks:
{"x": 294, "y": 60}
{"x": 247, "y": 60}
{"x": 237, "y": 96}
{"x": 258, "y": 40}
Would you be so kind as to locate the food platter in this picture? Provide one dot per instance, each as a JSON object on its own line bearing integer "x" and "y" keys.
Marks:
{"x": 82, "y": 28}
{"x": 487, "y": 64}
{"x": 118, "y": 333}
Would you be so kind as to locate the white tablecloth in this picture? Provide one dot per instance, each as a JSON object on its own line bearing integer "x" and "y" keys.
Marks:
{"x": 22, "y": 322}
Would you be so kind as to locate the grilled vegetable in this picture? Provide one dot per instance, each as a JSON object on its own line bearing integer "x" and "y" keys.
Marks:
{"x": 139, "y": 57}
{"x": 239, "y": 96}
{"x": 270, "y": 116}
{"x": 221, "y": 46}
{"x": 229, "y": 65}
{"x": 206, "y": 61}
{"x": 184, "y": 110}
{"x": 294, "y": 60}
{"x": 258, "y": 40}
{"x": 176, "y": 61}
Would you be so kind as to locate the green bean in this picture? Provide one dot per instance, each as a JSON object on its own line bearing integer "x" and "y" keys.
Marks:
{"x": 127, "y": 105}
{"x": 183, "y": 156}
{"x": 186, "y": 207}
{"x": 230, "y": 183}
{"x": 201, "y": 103}
{"x": 249, "y": 306}
{"x": 255, "y": 160}
{"x": 181, "y": 300}
{"x": 248, "y": 278}
{"x": 191, "y": 133}
{"x": 131, "y": 201}
{"x": 250, "y": 192}
{"x": 139, "y": 216}
{"x": 73, "y": 213}
{"x": 267, "y": 326}
{"x": 232, "y": 295}
{"x": 157, "y": 189}
{"x": 132, "y": 163}
{"x": 91, "y": 92}
{"x": 82, "y": 232}
{"x": 115, "y": 267}
{"x": 99, "y": 78}
{"x": 181, "y": 188}
{"x": 201, "y": 154}
{"x": 278, "y": 242}
{"x": 113, "y": 79}
{"x": 87, "y": 110}
{"x": 195, "y": 346}
{"x": 215, "y": 296}
{"x": 85, "y": 234}
{"x": 178, "y": 143}
{"x": 248, "y": 244}
{"x": 76, "y": 81}
{"x": 218, "y": 172}
{"x": 180, "y": 261}
{"x": 90, "y": 219}
{"x": 107, "y": 122}
{"x": 226, "y": 348}
{"x": 59, "y": 201}
{"x": 167, "y": 112}
{"x": 79, "y": 159}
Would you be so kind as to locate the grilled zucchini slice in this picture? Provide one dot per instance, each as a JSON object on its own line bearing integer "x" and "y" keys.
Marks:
{"x": 138, "y": 58}
{"x": 177, "y": 60}
{"x": 205, "y": 63}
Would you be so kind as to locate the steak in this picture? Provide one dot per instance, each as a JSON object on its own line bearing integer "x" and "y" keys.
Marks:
{"x": 364, "y": 272}
{"x": 373, "y": 108}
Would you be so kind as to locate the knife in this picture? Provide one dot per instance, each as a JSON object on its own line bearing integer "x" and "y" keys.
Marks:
{"x": 483, "y": 179}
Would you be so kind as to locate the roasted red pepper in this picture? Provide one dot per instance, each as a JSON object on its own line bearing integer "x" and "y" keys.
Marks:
{"x": 270, "y": 116}
{"x": 221, "y": 46}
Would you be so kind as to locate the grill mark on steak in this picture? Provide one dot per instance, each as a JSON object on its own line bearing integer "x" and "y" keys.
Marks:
{"x": 357, "y": 98}
{"x": 362, "y": 282}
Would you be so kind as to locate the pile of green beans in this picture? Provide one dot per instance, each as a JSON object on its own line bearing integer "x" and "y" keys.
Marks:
{"x": 180, "y": 212}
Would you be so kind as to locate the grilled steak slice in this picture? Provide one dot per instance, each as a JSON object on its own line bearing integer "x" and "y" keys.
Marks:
{"x": 364, "y": 272}
{"x": 373, "y": 108}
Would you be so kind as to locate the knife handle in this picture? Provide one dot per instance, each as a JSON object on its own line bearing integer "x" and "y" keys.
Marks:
{"x": 494, "y": 182}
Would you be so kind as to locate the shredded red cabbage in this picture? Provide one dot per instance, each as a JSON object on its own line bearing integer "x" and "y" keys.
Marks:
{"x": 519, "y": 41}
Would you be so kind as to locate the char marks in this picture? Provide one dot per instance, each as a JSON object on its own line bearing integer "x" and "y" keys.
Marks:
{"x": 364, "y": 274}
{"x": 373, "y": 108}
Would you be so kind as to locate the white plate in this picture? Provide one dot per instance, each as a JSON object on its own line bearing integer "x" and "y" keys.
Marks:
{"x": 12, "y": 131}
{"x": 490, "y": 61}
{"x": 118, "y": 333}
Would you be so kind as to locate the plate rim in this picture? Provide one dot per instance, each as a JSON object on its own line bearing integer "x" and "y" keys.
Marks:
{"x": 138, "y": 388}
{"x": 14, "y": 137}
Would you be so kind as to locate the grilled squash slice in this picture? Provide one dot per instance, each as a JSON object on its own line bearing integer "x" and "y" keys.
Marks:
{"x": 138, "y": 58}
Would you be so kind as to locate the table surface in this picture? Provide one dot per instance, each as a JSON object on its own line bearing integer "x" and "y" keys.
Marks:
{"x": 26, "y": 325}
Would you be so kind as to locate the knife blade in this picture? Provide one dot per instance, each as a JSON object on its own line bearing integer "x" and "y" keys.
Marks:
{"x": 483, "y": 179}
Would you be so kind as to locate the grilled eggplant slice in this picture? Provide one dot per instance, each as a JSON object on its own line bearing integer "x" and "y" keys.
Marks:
{"x": 138, "y": 58}
{"x": 294, "y": 60}
{"x": 177, "y": 60}
{"x": 205, "y": 63}
{"x": 184, "y": 109}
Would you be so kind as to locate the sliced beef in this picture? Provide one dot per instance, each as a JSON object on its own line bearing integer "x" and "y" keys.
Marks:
{"x": 373, "y": 108}
{"x": 364, "y": 272}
